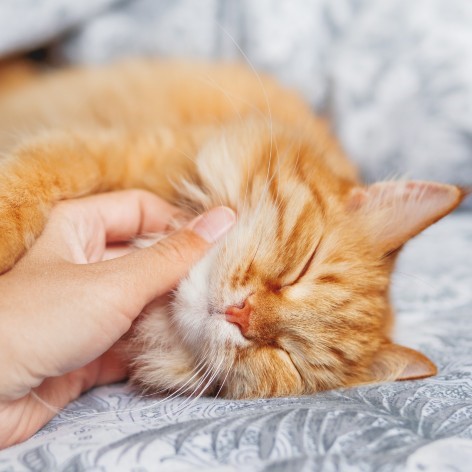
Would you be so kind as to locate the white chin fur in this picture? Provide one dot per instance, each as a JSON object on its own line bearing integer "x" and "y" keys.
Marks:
{"x": 197, "y": 327}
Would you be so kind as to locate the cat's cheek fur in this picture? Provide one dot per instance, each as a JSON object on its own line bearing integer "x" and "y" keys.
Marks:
{"x": 159, "y": 361}
{"x": 180, "y": 347}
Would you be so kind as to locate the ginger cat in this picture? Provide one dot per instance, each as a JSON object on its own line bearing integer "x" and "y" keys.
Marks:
{"x": 296, "y": 299}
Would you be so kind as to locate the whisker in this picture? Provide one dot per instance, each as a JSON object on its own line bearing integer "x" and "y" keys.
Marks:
{"x": 226, "y": 376}
{"x": 191, "y": 399}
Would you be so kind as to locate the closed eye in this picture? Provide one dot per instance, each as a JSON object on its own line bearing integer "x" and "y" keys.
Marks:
{"x": 305, "y": 267}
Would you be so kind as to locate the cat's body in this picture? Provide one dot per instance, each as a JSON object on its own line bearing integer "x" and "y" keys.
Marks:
{"x": 295, "y": 300}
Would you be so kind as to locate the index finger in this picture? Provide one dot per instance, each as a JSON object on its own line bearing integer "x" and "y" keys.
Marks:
{"x": 124, "y": 214}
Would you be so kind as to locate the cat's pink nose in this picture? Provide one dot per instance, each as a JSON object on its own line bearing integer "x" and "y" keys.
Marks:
{"x": 239, "y": 315}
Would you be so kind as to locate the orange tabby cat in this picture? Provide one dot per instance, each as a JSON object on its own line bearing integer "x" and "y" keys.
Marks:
{"x": 296, "y": 299}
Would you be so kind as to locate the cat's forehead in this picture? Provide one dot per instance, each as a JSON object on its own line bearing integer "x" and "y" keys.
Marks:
{"x": 255, "y": 161}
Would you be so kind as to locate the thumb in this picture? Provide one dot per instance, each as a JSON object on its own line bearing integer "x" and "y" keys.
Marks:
{"x": 148, "y": 273}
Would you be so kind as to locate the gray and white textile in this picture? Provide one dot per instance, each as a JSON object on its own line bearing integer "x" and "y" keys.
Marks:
{"x": 395, "y": 76}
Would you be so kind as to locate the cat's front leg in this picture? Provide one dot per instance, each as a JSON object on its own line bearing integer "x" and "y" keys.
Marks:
{"x": 38, "y": 174}
{"x": 57, "y": 166}
{"x": 22, "y": 218}
{"x": 32, "y": 179}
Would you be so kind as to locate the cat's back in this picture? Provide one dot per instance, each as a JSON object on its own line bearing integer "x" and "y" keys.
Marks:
{"x": 143, "y": 93}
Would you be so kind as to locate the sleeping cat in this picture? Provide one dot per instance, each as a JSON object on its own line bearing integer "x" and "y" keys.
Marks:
{"x": 296, "y": 298}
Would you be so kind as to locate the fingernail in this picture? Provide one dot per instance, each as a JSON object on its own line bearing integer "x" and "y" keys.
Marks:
{"x": 213, "y": 224}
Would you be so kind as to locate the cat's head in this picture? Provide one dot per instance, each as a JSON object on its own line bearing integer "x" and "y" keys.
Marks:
{"x": 296, "y": 298}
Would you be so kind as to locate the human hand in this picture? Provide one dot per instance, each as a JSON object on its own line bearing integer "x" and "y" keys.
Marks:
{"x": 62, "y": 307}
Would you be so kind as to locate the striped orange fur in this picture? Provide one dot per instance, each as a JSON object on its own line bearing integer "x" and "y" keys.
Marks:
{"x": 308, "y": 264}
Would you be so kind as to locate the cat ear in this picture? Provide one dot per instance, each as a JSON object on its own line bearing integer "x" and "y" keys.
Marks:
{"x": 395, "y": 362}
{"x": 397, "y": 211}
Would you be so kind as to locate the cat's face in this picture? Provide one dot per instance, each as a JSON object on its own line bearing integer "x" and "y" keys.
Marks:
{"x": 288, "y": 304}
{"x": 295, "y": 299}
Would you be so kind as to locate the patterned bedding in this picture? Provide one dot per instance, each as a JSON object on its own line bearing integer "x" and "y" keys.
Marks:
{"x": 395, "y": 77}
{"x": 420, "y": 426}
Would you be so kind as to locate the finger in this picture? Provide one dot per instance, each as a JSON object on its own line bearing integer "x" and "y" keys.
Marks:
{"x": 78, "y": 230}
{"x": 151, "y": 272}
{"x": 126, "y": 214}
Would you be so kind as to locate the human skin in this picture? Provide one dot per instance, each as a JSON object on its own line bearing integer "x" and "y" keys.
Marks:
{"x": 65, "y": 304}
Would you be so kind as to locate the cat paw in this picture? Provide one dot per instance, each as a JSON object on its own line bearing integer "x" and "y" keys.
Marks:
{"x": 19, "y": 227}
{"x": 10, "y": 249}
